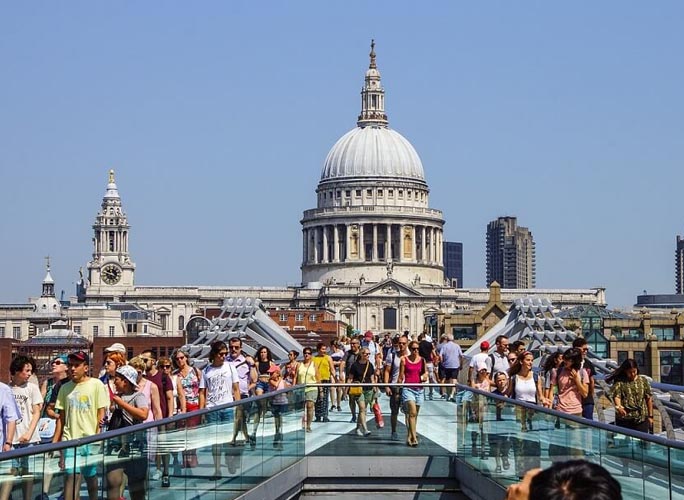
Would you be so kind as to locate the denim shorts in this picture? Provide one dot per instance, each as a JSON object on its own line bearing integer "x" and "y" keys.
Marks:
{"x": 220, "y": 416}
{"x": 409, "y": 394}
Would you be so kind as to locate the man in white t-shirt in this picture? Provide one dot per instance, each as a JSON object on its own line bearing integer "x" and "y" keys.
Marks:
{"x": 220, "y": 384}
{"x": 480, "y": 357}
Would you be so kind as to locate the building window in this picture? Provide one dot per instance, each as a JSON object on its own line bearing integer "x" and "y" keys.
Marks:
{"x": 338, "y": 194}
{"x": 181, "y": 322}
{"x": 640, "y": 358}
{"x": 111, "y": 241}
{"x": 671, "y": 367}
{"x": 299, "y": 317}
{"x": 111, "y": 331}
{"x": 408, "y": 194}
{"x": 2, "y": 331}
{"x": 164, "y": 320}
{"x": 369, "y": 193}
{"x": 96, "y": 330}
{"x": 145, "y": 328}
{"x": 401, "y": 193}
{"x": 622, "y": 356}
{"x": 358, "y": 193}
{"x": 77, "y": 329}
{"x": 313, "y": 318}
{"x": 664, "y": 333}
{"x": 347, "y": 193}
{"x": 283, "y": 316}
{"x": 390, "y": 193}
{"x": 379, "y": 193}
{"x": 132, "y": 328}
{"x": 16, "y": 332}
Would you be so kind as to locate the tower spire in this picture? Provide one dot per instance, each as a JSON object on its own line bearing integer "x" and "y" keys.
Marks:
{"x": 372, "y": 55}
{"x": 372, "y": 96}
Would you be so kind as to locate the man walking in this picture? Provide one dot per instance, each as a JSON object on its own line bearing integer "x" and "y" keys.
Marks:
{"x": 587, "y": 402}
{"x": 352, "y": 355}
{"x": 452, "y": 359}
{"x": 81, "y": 404}
{"x": 247, "y": 377}
{"x": 326, "y": 370}
{"x": 391, "y": 375}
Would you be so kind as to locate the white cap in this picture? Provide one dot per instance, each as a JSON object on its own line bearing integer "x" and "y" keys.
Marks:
{"x": 116, "y": 347}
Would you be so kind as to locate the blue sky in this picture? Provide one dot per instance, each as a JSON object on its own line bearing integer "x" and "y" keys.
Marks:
{"x": 217, "y": 117}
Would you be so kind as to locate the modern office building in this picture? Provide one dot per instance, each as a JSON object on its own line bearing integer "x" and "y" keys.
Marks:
{"x": 510, "y": 254}
{"x": 453, "y": 263}
{"x": 679, "y": 266}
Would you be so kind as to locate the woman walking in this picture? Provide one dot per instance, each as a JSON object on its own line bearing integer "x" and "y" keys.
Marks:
{"x": 362, "y": 372}
{"x": 188, "y": 379}
{"x": 307, "y": 374}
{"x": 264, "y": 362}
{"x": 412, "y": 370}
{"x": 524, "y": 386}
{"x": 632, "y": 397}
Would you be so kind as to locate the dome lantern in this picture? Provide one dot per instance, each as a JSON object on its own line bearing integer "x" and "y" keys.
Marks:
{"x": 372, "y": 96}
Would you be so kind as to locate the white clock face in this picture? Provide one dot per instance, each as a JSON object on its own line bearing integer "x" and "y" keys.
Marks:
{"x": 111, "y": 274}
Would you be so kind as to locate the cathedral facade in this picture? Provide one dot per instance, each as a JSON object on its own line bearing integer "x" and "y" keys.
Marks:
{"x": 372, "y": 251}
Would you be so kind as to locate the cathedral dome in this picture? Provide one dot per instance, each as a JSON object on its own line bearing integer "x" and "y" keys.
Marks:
{"x": 372, "y": 151}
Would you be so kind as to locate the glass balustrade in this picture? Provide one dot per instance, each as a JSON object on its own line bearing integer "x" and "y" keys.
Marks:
{"x": 498, "y": 437}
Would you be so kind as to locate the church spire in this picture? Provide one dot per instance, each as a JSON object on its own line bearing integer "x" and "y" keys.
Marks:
{"x": 48, "y": 282}
{"x": 372, "y": 96}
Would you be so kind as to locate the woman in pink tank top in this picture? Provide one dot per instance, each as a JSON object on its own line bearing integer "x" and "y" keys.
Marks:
{"x": 412, "y": 371}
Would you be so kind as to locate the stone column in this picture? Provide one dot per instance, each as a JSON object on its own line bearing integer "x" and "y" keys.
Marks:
{"x": 375, "y": 242}
{"x": 347, "y": 253}
{"x": 413, "y": 244}
{"x": 324, "y": 229}
{"x": 336, "y": 242}
{"x": 388, "y": 243}
{"x": 362, "y": 245}
{"x": 423, "y": 248}
{"x": 315, "y": 252}
{"x": 305, "y": 246}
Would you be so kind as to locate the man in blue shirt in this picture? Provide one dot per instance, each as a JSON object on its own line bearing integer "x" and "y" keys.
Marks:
{"x": 452, "y": 359}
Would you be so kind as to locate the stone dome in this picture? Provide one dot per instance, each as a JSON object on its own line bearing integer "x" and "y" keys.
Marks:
{"x": 374, "y": 151}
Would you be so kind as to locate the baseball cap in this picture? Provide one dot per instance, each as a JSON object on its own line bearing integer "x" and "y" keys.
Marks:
{"x": 81, "y": 356}
{"x": 116, "y": 347}
{"x": 273, "y": 369}
{"x": 484, "y": 345}
{"x": 129, "y": 373}
{"x": 428, "y": 338}
{"x": 61, "y": 357}
{"x": 368, "y": 334}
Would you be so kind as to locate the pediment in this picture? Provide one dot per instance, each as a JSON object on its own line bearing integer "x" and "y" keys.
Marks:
{"x": 388, "y": 288}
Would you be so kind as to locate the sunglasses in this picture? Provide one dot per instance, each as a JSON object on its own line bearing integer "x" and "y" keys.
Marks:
{"x": 165, "y": 366}
{"x": 306, "y": 353}
{"x": 58, "y": 362}
{"x": 414, "y": 348}
{"x": 365, "y": 353}
{"x": 147, "y": 360}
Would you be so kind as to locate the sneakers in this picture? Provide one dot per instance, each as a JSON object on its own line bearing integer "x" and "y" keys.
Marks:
{"x": 165, "y": 482}
{"x": 367, "y": 433}
{"x": 339, "y": 408}
{"x": 395, "y": 436}
{"x": 353, "y": 419}
{"x": 326, "y": 419}
{"x": 359, "y": 432}
{"x": 332, "y": 408}
{"x": 156, "y": 475}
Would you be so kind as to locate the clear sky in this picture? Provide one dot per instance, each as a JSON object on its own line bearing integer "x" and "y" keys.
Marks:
{"x": 217, "y": 117}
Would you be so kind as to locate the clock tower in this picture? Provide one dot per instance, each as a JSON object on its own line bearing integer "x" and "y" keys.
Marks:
{"x": 111, "y": 271}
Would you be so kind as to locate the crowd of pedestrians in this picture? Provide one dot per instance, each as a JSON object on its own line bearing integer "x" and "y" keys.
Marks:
{"x": 71, "y": 404}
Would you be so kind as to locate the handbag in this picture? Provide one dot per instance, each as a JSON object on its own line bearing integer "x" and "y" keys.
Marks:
{"x": 357, "y": 390}
{"x": 119, "y": 419}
